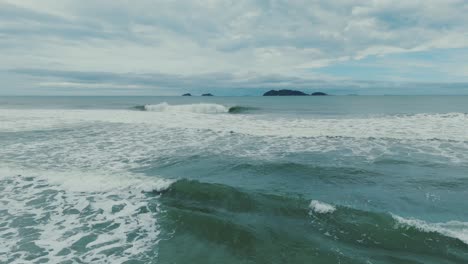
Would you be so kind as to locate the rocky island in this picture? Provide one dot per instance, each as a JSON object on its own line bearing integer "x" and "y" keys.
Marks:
{"x": 318, "y": 94}
{"x": 286, "y": 92}
{"x": 207, "y": 94}
{"x": 187, "y": 94}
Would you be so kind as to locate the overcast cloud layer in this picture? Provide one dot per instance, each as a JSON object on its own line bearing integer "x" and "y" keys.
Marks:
{"x": 233, "y": 47}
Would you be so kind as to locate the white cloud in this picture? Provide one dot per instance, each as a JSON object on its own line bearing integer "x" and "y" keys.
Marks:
{"x": 187, "y": 38}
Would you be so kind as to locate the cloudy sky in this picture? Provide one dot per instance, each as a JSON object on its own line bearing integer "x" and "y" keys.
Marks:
{"x": 237, "y": 47}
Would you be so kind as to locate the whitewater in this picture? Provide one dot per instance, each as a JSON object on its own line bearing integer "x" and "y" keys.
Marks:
{"x": 236, "y": 180}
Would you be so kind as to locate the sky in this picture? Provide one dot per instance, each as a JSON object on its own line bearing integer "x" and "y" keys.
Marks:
{"x": 148, "y": 47}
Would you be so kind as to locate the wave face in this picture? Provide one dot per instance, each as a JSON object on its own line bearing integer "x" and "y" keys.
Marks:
{"x": 241, "y": 109}
{"x": 244, "y": 226}
{"x": 270, "y": 180}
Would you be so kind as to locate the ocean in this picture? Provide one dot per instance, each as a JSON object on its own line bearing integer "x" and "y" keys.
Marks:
{"x": 326, "y": 179}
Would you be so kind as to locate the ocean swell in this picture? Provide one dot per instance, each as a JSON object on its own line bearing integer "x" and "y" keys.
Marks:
{"x": 239, "y": 223}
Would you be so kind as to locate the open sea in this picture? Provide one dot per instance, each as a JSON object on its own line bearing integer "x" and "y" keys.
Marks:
{"x": 332, "y": 179}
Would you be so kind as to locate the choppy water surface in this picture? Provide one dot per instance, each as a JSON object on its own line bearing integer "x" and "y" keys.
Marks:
{"x": 234, "y": 180}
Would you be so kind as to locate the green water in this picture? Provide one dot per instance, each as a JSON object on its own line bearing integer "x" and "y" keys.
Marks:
{"x": 340, "y": 179}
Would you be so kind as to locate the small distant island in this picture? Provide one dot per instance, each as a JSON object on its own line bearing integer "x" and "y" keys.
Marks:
{"x": 189, "y": 94}
{"x": 286, "y": 92}
{"x": 318, "y": 94}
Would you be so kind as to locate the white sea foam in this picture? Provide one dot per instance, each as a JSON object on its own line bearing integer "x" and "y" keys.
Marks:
{"x": 321, "y": 207}
{"x": 138, "y": 135}
{"x": 65, "y": 208}
{"x": 201, "y": 108}
{"x": 422, "y": 126}
{"x": 455, "y": 229}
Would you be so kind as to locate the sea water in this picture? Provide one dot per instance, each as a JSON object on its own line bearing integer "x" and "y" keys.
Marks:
{"x": 332, "y": 179}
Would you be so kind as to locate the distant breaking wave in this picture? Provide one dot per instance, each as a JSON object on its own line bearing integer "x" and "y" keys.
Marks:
{"x": 201, "y": 108}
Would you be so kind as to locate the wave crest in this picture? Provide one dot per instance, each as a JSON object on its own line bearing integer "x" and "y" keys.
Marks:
{"x": 321, "y": 207}
{"x": 454, "y": 229}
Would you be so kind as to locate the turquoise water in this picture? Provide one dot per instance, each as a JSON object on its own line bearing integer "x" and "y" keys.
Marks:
{"x": 339, "y": 179}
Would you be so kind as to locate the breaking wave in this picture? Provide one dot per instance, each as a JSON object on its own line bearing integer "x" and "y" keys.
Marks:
{"x": 454, "y": 229}
{"x": 202, "y": 108}
{"x": 321, "y": 207}
{"x": 188, "y": 108}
